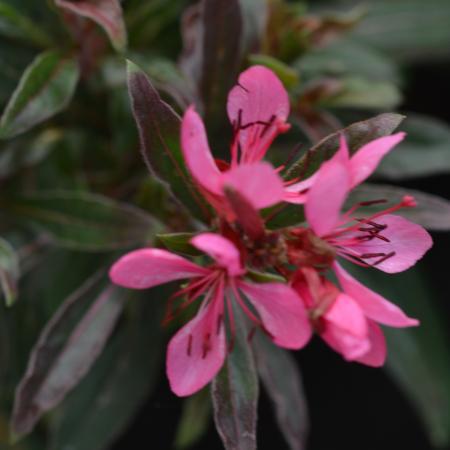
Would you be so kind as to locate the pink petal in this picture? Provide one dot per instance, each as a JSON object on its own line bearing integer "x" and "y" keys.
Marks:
{"x": 282, "y": 312}
{"x": 346, "y": 314}
{"x": 367, "y": 158}
{"x": 327, "y": 195}
{"x": 258, "y": 97}
{"x": 374, "y": 305}
{"x": 196, "y": 152}
{"x": 221, "y": 250}
{"x": 376, "y": 356}
{"x": 346, "y": 328}
{"x": 408, "y": 240}
{"x": 297, "y": 193}
{"x": 148, "y": 267}
{"x": 189, "y": 366}
{"x": 258, "y": 183}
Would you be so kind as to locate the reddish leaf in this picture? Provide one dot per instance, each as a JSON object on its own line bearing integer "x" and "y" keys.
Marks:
{"x": 159, "y": 133}
{"x": 107, "y": 13}
{"x": 282, "y": 380}
{"x": 67, "y": 347}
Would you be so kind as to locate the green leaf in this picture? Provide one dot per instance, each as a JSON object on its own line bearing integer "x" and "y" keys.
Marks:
{"x": 282, "y": 381}
{"x": 235, "y": 394}
{"x": 45, "y": 89}
{"x": 106, "y": 13}
{"x": 417, "y": 357}
{"x": 23, "y": 153}
{"x": 424, "y": 152}
{"x": 194, "y": 420}
{"x": 65, "y": 351}
{"x": 159, "y": 132}
{"x": 101, "y": 407}
{"x": 365, "y": 94}
{"x": 9, "y": 272}
{"x": 406, "y": 30}
{"x": 179, "y": 243}
{"x": 432, "y": 212}
{"x": 347, "y": 57}
{"x": 85, "y": 221}
{"x": 15, "y": 25}
{"x": 285, "y": 73}
{"x": 357, "y": 135}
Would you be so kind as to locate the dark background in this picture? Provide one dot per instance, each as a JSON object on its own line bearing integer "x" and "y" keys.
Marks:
{"x": 351, "y": 406}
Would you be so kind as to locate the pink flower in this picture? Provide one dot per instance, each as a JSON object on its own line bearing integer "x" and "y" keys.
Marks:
{"x": 347, "y": 320}
{"x": 258, "y": 107}
{"x": 198, "y": 350}
{"x": 388, "y": 242}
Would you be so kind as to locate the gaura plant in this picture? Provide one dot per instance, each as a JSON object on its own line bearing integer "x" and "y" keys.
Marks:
{"x": 255, "y": 231}
{"x": 286, "y": 312}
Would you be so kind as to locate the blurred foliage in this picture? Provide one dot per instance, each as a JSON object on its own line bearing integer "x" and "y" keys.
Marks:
{"x": 75, "y": 190}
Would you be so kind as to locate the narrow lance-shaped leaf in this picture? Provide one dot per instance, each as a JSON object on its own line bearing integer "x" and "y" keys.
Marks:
{"x": 283, "y": 382}
{"x": 425, "y": 151}
{"x": 27, "y": 151}
{"x": 212, "y": 35}
{"x": 221, "y": 42}
{"x": 407, "y": 30}
{"x": 15, "y": 25}
{"x": 101, "y": 407}
{"x": 357, "y": 135}
{"x": 85, "y": 221}
{"x": 45, "y": 89}
{"x": 9, "y": 271}
{"x": 235, "y": 394}
{"x": 159, "y": 133}
{"x": 66, "y": 350}
{"x": 194, "y": 420}
{"x": 106, "y": 13}
{"x": 179, "y": 243}
{"x": 432, "y": 211}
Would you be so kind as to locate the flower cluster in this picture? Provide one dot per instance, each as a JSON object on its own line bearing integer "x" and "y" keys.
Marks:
{"x": 345, "y": 313}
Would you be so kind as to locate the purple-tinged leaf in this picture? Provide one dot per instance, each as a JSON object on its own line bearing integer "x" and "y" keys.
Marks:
{"x": 9, "y": 272}
{"x": 106, "y": 13}
{"x": 235, "y": 393}
{"x": 357, "y": 135}
{"x": 432, "y": 211}
{"x": 85, "y": 221}
{"x": 46, "y": 87}
{"x": 212, "y": 35}
{"x": 159, "y": 133}
{"x": 105, "y": 402}
{"x": 66, "y": 349}
{"x": 283, "y": 382}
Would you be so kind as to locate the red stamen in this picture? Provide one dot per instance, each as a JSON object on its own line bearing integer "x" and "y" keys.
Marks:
{"x": 206, "y": 347}
{"x": 384, "y": 258}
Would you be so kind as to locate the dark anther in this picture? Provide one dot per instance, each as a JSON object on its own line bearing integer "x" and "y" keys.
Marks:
{"x": 373, "y": 202}
{"x": 206, "y": 345}
{"x": 267, "y": 126}
{"x": 242, "y": 87}
{"x": 371, "y": 255}
{"x": 189, "y": 346}
{"x": 384, "y": 258}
